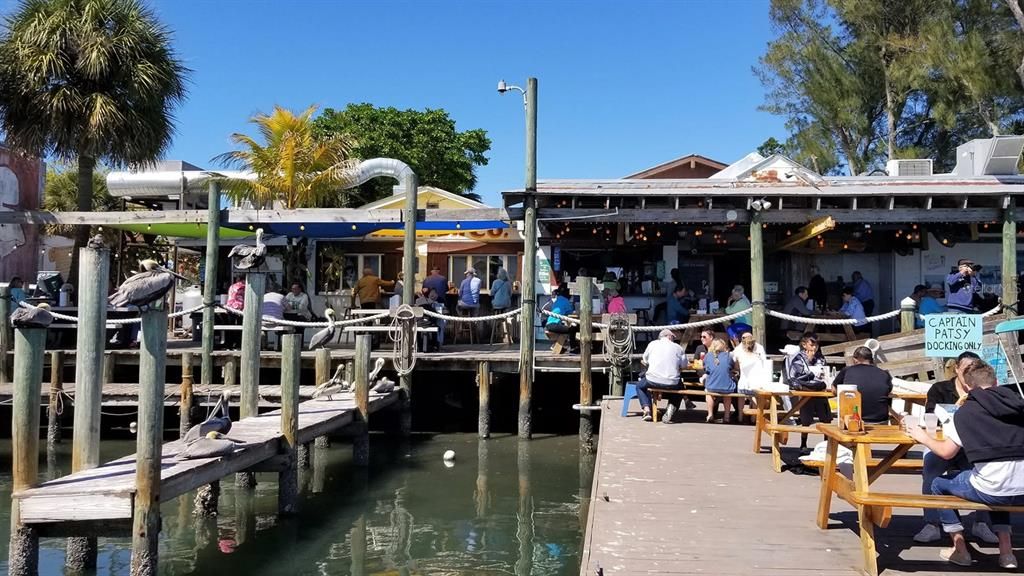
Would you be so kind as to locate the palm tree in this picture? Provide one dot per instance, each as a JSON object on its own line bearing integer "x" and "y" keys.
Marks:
{"x": 88, "y": 80}
{"x": 293, "y": 167}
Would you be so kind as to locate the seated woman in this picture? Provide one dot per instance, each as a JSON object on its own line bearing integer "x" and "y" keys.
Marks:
{"x": 718, "y": 379}
{"x": 753, "y": 364}
{"x": 560, "y": 304}
{"x": 989, "y": 429}
{"x": 804, "y": 372}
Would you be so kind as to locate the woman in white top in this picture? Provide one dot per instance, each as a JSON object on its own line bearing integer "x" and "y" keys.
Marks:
{"x": 752, "y": 361}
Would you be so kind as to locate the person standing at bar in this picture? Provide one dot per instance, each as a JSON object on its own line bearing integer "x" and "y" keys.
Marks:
{"x": 817, "y": 289}
{"x": 963, "y": 286}
{"x": 864, "y": 292}
{"x": 436, "y": 282}
{"x": 368, "y": 289}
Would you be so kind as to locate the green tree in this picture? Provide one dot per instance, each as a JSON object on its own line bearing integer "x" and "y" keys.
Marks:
{"x": 293, "y": 166}
{"x": 426, "y": 140}
{"x": 88, "y": 81}
{"x": 60, "y": 194}
{"x": 770, "y": 147}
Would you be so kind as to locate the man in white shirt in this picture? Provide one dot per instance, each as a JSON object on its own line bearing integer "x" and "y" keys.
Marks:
{"x": 663, "y": 359}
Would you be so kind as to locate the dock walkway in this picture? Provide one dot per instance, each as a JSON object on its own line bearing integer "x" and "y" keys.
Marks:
{"x": 691, "y": 498}
{"x": 102, "y": 497}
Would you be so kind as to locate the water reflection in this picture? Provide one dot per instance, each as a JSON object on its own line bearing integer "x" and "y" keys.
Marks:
{"x": 506, "y": 507}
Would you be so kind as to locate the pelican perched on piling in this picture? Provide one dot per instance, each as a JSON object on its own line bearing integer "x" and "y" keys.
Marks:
{"x": 146, "y": 287}
{"x": 218, "y": 421}
{"x": 96, "y": 242}
{"x": 249, "y": 257}
{"x": 322, "y": 337}
{"x": 32, "y": 317}
{"x": 212, "y": 445}
{"x": 334, "y": 385}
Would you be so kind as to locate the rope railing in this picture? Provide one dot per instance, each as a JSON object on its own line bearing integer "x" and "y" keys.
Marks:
{"x": 699, "y": 324}
{"x": 301, "y": 324}
{"x": 985, "y": 314}
{"x": 114, "y": 321}
{"x": 832, "y": 321}
{"x": 448, "y": 318}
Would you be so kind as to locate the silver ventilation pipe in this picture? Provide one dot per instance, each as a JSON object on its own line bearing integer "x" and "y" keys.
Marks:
{"x": 374, "y": 167}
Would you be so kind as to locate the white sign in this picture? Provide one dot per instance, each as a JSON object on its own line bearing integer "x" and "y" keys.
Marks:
{"x": 949, "y": 335}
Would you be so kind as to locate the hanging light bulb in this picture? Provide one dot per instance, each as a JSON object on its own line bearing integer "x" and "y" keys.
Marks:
{"x": 458, "y": 225}
{"x": 100, "y": 228}
{"x": 302, "y": 227}
{"x": 914, "y": 226}
{"x": 251, "y": 227}
{"x": 945, "y": 241}
{"x": 789, "y": 232}
{"x": 764, "y": 226}
{"x": 658, "y": 234}
{"x": 353, "y": 227}
{"x": 846, "y": 246}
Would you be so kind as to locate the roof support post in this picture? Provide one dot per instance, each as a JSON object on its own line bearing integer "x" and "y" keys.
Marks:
{"x": 757, "y": 274}
{"x": 210, "y": 281}
{"x": 1010, "y": 255}
{"x": 527, "y": 338}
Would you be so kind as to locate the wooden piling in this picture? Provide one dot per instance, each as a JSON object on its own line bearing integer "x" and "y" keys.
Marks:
{"x": 250, "y": 360}
{"x": 5, "y": 333}
{"x": 93, "y": 369}
{"x": 524, "y": 513}
{"x": 483, "y": 382}
{"x": 29, "y": 347}
{"x": 757, "y": 275}
{"x": 54, "y": 406}
{"x": 230, "y": 373}
{"x": 149, "y": 443}
{"x": 908, "y": 313}
{"x": 358, "y": 547}
{"x": 185, "y": 393}
{"x": 584, "y": 285}
{"x": 207, "y": 500}
{"x": 322, "y": 367}
{"x": 528, "y": 315}
{"x": 361, "y": 418}
{"x": 210, "y": 280}
{"x": 1009, "y": 260}
{"x": 482, "y": 497}
{"x": 288, "y": 478}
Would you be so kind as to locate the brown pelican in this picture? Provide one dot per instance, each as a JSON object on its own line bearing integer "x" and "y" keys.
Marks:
{"x": 334, "y": 385}
{"x": 377, "y": 367}
{"x": 322, "y": 337}
{"x": 384, "y": 386}
{"x": 146, "y": 287}
{"x": 212, "y": 445}
{"x": 96, "y": 242}
{"x": 32, "y": 317}
{"x": 218, "y": 421}
{"x": 249, "y": 257}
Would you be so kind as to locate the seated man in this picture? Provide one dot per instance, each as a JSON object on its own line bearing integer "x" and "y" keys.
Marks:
{"x": 663, "y": 359}
{"x": 989, "y": 428}
{"x": 561, "y": 305}
{"x": 853, "y": 308}
{"x": 949, "y": 392}
{"x": 873, "y": 383}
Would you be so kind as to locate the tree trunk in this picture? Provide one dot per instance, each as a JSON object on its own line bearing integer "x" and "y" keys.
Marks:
{"x": 86, "y": 165}
{"x": 1018, "y": 13}
{"x": 890, "y": 109}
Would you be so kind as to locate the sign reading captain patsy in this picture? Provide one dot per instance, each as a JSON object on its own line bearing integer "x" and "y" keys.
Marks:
{"x": 949, "y": 335}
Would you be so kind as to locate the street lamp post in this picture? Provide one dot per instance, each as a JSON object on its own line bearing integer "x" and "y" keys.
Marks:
{"x": 529, "y": 289}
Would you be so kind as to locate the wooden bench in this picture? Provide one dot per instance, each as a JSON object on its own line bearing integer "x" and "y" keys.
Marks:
{"x": 657, "y": 393}
{"x": 775, "y": 426}
{"x": 878, "y": 507}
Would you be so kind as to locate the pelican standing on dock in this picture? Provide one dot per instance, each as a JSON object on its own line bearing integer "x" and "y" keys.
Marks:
{"x": 32, "y": 317}
{"x": 322, "y": 337}
{"x": 250, "y": 257}
{"x": 334, "y": 385}
{"x": 212, "y": 445}
{"x": 146, "y": 287}
{"x": 219, "y": 420}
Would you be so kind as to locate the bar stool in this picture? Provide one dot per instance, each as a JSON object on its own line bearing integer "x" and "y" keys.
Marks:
{"x": 500, "y": 326}
{"x": 465, "y": 327}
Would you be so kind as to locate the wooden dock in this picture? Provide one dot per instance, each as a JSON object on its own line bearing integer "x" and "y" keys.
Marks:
{"x": 691, "y": 498}
{"x": 100, "y": 500}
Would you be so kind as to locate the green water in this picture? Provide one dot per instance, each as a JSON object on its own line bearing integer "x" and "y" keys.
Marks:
{"x": 505, "y": 507}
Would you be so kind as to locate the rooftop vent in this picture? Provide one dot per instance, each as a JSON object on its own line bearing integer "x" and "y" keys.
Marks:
{"x": 996, "y": 156}
{"x": 922, "y": 167}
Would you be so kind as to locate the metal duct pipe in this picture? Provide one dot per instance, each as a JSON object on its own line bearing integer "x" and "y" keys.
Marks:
{"x": 401, "y": 171}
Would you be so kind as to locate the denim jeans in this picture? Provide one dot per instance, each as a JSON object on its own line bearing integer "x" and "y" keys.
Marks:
{"x": 935, "y": 466}
{"x": 645, "y": 397}
{"x": 960, "y": 485}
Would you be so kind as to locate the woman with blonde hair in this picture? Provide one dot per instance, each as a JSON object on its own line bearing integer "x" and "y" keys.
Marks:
{"x": 718, "y": 368}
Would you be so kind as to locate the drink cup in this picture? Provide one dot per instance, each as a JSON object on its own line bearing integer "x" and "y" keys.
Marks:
{"x": 909, "y": 421}
{"x": 931, "y": 423}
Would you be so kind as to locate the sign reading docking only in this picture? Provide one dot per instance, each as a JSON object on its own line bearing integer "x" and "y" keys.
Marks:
{"x": 949, "y": 335}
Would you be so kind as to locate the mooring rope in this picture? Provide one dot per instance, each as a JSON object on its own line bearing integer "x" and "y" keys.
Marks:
{"x": 508, "y": 314}
{"x": 403, "y": 337}
{"x": 618, "y": 344}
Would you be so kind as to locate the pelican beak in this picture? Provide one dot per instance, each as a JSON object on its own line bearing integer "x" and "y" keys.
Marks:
{"x": 175, "y": 274}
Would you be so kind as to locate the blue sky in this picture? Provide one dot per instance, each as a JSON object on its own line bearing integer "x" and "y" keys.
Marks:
{"x": 622, "y": 85}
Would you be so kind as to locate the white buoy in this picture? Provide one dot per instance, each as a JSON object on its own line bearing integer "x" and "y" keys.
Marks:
{"x": 449, "y": 456}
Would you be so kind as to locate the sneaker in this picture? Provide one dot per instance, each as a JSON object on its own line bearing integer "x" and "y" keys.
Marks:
{"x": 930, "y": 533}
{"x": 689, "y": 404}
{"x": 982, "y": 532}
{"x": 647, "y": 417}
{"x": 669, "y": 413}
{"x": 954, "y": 557}
{"x": 1008, "y": 561}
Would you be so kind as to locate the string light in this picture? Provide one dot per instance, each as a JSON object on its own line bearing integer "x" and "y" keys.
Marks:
{"x": 846, "y": 246}
{"x": 789, "y": 232}
{"x": 302, "y": 227}
{"x": 100, "y": 228}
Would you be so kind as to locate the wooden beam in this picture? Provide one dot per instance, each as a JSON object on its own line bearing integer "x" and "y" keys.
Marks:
{"x": 300, "y": 216}
{"x": 789, "y": 216}
{"x": 809, "y": 231}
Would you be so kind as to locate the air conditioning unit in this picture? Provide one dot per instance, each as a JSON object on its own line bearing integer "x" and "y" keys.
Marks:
{"x": 917, "y": 167}
{"x": 996, "y": 156}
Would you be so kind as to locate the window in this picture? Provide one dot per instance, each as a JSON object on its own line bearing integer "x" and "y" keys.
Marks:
{"x": 335, "y": 265}
{"x": 486, "y": 267}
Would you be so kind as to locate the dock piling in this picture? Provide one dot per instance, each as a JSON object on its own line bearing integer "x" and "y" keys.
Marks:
{"x": 93, "y": 369}
{"x": 185, "y": 404}
{"x": 361, "y": 421}
{"x": 288, "y": 478}
{"x": 584, "y": 285}
{"x": 483, "y": 382}
{"x": 230, "y": 373}
{"x": 53, "y": 409}
{"x": 207, "y": 500}
{"x": 149, "y": 443}
{"x": 323, "y": 373}
{"x": 527, "y": 316}
{"x": 29, "y": 347}
{"x": 210, "y": 280}
{"x": 5, "y": 333}
{"x": 255, "y": 283}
